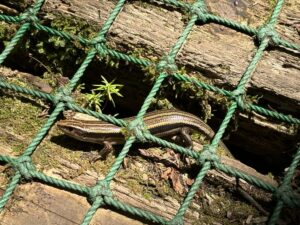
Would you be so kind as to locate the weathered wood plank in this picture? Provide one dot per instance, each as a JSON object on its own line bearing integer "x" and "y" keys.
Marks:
{"x": 222, "y": 54}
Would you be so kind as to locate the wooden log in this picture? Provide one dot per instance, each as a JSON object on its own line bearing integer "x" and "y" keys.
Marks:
{"x": 42, "y": 204}
{"x": 222, "y": 54}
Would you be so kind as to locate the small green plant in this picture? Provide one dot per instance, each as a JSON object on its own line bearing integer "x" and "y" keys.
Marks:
{"x": 94, "y": 100}
{"x": 103, "y": 93}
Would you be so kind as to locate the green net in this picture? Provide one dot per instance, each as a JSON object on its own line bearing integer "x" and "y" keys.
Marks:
{"x": 100, "y": 195}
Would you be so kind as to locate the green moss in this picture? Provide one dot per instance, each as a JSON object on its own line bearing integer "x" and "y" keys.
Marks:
{"x": 57, "y": 149}
{"x": 7, "y": 31}
{"x": 48, "y": 51}
{"x": 148, "y": 195}
{"x": 135, "y": 186}
{"x": 217, "y": 211}
{"x": 58, "y": 54}
{"x": 22, "y": 119}
{"x": 18, "y": 148}
{"x": 272, "y": 3}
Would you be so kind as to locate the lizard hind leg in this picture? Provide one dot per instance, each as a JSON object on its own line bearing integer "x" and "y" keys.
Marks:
{"x": 185, "y": 134}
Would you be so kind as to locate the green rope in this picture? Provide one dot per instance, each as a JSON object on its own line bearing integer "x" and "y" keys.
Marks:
{"x": 283, "y": 193}
{"x": 23, "y": 90}
{"x": 194, "y": 188}
{"x": 24, "y": 165}
{"x": 100, "y": 190}
{"x": 138, "y": 128}
{"x": 44, "y": 130}
{"x": 63, "y": 95}
{"x": 20, "y": 33}
{"x": 10, "y": 19}
{"x": 89, "y": 215}
{"x": 268, "y": 32}
{"x": 10, "y": 189}
{"x": 28, "y": 16}
{"x": 100, "y": 195}
{"x": 250, "y": 179}
{"x": 288, "y": 45}
{"x": 275, "y": 13}
{"x": 65, "y": 185}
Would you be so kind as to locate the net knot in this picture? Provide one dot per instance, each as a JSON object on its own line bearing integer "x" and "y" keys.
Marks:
{"x": 238, "y": 96}
{"x": 208, "y": 155}
{"x": 97, "y": 40}
{"x": 29, "y": 16}
{"x": 101, "y": 49}
{"x": 100, "y": 190}
{"x": 200, "y": 9}
{"x": 24, "y": 165}
{"x": 268, "y": 32}
{"x": 63, "y": 95}
{"x": 285, "y": 193}
{"x": 167, "y": 65}
{"x": 138, "y": 128}
{"x": 98, "y": 43}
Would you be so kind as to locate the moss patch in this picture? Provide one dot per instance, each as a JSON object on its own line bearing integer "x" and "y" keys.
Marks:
{"x": 20, "y": 119}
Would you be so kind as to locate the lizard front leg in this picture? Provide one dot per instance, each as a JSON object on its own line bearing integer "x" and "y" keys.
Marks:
{"x": 103, "y": 153}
